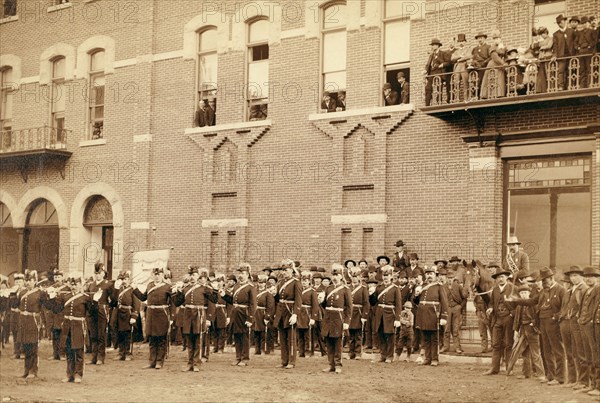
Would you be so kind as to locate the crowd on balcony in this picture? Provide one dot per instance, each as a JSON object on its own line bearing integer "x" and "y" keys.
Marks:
{"x": 564, "y": 60}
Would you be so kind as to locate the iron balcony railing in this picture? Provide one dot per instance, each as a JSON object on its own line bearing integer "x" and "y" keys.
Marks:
{"x": 516, "y": 80}
{"x": 32, "y": 139}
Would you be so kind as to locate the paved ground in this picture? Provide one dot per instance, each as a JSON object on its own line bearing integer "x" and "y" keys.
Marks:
{"x": 361, "y": 381}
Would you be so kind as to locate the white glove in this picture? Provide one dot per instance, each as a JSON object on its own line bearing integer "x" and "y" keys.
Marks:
{"x": 311, "y": 322}
{"x": 227, "y": 321}
{"x": 396, "y": 323}
{"x": 51, "y": 291}
{"x": 132, "y": 321}
{"x": 98, "y": 295}
{"x": 118, "y": 284}
{"x": 170, "y": 323}
{"x": 363, "y": 320}
{"x": 516, "y": 335}
{"x": 321, "y": 297}
{"x": 249, "y": 324}
{"x": 208, "y": 323}
{"x": 443, "y": 322}
{"x": 266, "y": 322}
{"x": 346, "y": 326}
{"x": 489, "y": 311}
{"x": 293, "y": 319}
{"x": 222, "y": 292}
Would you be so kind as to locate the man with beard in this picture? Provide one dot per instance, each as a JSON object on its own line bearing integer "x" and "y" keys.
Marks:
{"x": 288, "y": 297}
{"x": 54, "y": 320}
{"x": 360, "y": 312}
{"x": 308, "y": 314}
{"x": 126, "y": 313}
{"x": 98, "y": 320}
{"x": 388, "y": 302}
{"x": 501, "y": 313}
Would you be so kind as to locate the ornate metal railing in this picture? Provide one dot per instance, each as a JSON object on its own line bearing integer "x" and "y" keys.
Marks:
{"x": 516, "y": 80}
{"x": 34, "y": 138}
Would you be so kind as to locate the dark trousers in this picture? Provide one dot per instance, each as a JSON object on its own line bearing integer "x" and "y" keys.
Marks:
{"x": 123, "y": 340}
{"x": 405, "y": 338}
{"x": 334, "y": 351}
{"x": 158, "y": 347}
{"x": 242, "y": 346}
{"x": 418, "y": 340}
{"x": 370, "y": 336}
{"x": 453, "y": 326}
{"x": 597, "y": 356}
{"x": 584, "y": 70}
{"x": 532, "y": 360}
{"x": 98, "y": 327}
{"x": 303, "y": 341}
{"x": 74, "y": 360}
{"x": 317, "y": 340}
{"x": 553, "y": 354}
{"x": 355, "y": 343}
{"x": 56, "y": 350}
{"x": 287, "y": 339}
{"x": 430, "y": 344}
{"x": 219, "y": 339}
{"x": 260, "y": 342}
{"x": 17, "y": 345}
{"x": 193, "y": 348}
{"x": 484, "y": 328}
{"x": 386, "y": 344}
{"x": 590, "y": 347}
{"x": 502, "y": 341}
{"x": 565, "y": 335}
{"x": 31, "y": 358}
{"x": 578, "y": 352}
{"x": 271, "y": 338}
{"x": 205, "y": 347}
{"x": 561, "y": 69}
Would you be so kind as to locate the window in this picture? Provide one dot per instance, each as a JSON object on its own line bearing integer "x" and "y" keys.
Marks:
{"x": 6, "y": 93}
{"x": 9, "y": 8}
{"x": 258, "y": 70}
{"x": 207, "y": 77}
{"x": 549, "y": 209}
{"x": 333, "y": 40}
{"x": 57, "y": 99}
{"x": 545, "y": 12}
{"x": 96, "y": 95}
{"x": 396, "y": 49}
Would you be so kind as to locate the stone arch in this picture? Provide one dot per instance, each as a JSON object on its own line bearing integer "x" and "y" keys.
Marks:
{"x": 9, "y": 201}
{"x": 59, "y": 49}
{"x": 78, "y": 232}
{"x": 95, "y": 42}
{"x": 312, "y": 15}
{"x": 204, "y": 21}
{"x": 251, "y": 12}
{"x": 14, "y": 62}
{"x": 40, "y": 192}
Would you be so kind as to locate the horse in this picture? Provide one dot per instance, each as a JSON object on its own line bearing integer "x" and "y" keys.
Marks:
{"x": 478, "y": 279}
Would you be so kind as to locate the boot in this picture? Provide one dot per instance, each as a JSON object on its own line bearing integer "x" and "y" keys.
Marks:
{"x": 459, "y": 350}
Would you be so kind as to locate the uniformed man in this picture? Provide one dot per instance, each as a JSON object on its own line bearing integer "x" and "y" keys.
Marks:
{"x": 316, "y": 339}
{"x": 13, "y": 303}
{"x": 387, "y": 301}
{"x": 210, "y": 309}
{"x": 501, "y": 313}
{"x": 432, "y": 311}
{"x": 159, "y": 297}
{"x": 75, "y": 306}
{"x": 589, "y": 303}
{"x": 127, "y": 310}
{"x": 457, "y": 301}
{"x": 221, "y": 321}
{"x": 337, "y": 301}
{"x": 308, "y": 314}
{"x": 98, "y": 319}
{"x": 516, "y": 260}
{"x": 360, "y": 313}
{"x": 243, "y": 299}
{"x": 54, "y": 320}
{"x": 289, "y": 303}
{"x": 265, "y": 309}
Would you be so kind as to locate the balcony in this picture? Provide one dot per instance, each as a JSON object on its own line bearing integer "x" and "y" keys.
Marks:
{"x": 565, "y": 81}
{"x": 37, "y": 147}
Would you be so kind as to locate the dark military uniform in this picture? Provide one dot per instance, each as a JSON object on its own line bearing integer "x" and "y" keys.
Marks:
{"x": 219, "y": 325}
{"x": 289, "y": 302}
{"x": 158, "y": 298}
{"x": 74, "y": 308}
{"x": 432, "y": 306}
{"x": 338, "y": 310}
{"x": 126, "y": 307}
{"x": 54, "y": 323}
{"x": 193, "y": 298}
{"x": 243, "y": 299}
{"x": 30, "y": 322}
{"x": 310, "y": 310}
{"x": 388, "y": 304}
{"x": 360, "y": 312}
{"x": 13, "y": 320}
{"x": 265, "y": 309}
{"x": 98, "y": 320}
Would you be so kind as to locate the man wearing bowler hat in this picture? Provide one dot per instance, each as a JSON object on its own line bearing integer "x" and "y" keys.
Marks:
{"x": 590, "y": 303}
{"x": 481, "y": 55}
{"x": 501, "y": 313}
{"x": 578, "y": 290}
{"x": 401, "y": 260}
{"x": 563, "y": 46}
{"x": 436, "y": 64}
{"x": 98, "y": 319}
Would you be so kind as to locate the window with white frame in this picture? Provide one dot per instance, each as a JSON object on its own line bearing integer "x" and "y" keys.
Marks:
{"x": 396, "y": 50}
{"x": 57, "y": 98}
{"x": 207, "y": 62}
{"x": 96, "y": 94}
{"x": 6, "y": 94}
{"x": 9, "y": 8}
{"x": 333, "y": 45}
{"x": 258, "y": 70}
{"x": 545, "y": 12}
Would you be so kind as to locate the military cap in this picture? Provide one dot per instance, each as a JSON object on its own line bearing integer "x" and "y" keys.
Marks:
{"x": 19, "y": 276}
{"x": 157, "y": 270}
{"x": 317, "y": 274}
{"x": 387, "y": 269}
{"x": 31, "y": 275}
{"x": 124, "y": 274}
{"x": 431, "y": 269}
{"x": 305, "y": 274}
{"x": 560, "y": 18}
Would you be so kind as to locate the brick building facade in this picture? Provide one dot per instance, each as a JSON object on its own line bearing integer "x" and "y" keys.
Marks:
{"x": 120, "y": 167}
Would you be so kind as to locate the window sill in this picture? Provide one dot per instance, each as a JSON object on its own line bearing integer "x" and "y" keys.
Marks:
{"x": 89, "y": 143}
{"x": 359, "y": 112}
{"x": 228, "y": 126}
{"x": 59, "y": 7}
{"x": 9, "y": 19}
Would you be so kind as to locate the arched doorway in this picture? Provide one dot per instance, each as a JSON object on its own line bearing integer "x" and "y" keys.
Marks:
{"x": 98, "y": 222}
{"x": 41, "y": 236}
{"x": 9, "y": 243}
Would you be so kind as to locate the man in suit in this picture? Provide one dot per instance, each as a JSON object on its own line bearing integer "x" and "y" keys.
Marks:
{"x": 401, "y": 260}
{"x": 211, "y": 111}
{"x": 390, "y": 96}
{"x": 481, "y": 55}
{"x": 460, "y": 57}
{"x": 457, "y": 300}
{"x": 562, "y": 47}
{"x": 200, "y": 118}
{"x": 585, "y": 42}
{"x": 436, "y": 65}
{"x": 328, "y": 104}
{"x": 589, "y": 303}
{"x": 501, "y": 313}
{"x": 404, "y": 88}
{"x": 341, "y": 100}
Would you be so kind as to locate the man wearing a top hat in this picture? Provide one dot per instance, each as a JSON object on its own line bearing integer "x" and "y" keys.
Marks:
{"x": 501, "y": 313}
{"x": 578, "y": 290}
{"x": 193, "y": 297}
{"x": 387, "y": 301}
{"x": 126, "y": 311}
{"x": 265, "y": 309}
{"x": 432, "y": 312}
{"x": 337, "y": 302}
{"x": 360, "y": 313}
{"x": 243, "y": 299}
{"x": 436, "y": 64}
{"x": 98, "y": 319}
{"x": 461, "y": 57}
{"x": 516, "y": 259}
{"x": 457, "y": 300}
{"x": 288, "y": 297}
{"x": 159, "y": 297}
{"x": 401, "y": 260}
{"x": 563, "y": 46}
{"x": 589, "y": 304}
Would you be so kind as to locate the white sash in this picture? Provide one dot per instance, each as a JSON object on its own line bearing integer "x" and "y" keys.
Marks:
{"x": 239, "y": 289}
{"x": 335, "y": 290}
{"x": 73, "y": 298}
{"x": 154, "y": 288}
{"x": 285, "y": 285}
{"x": 356, "y": 289}
{"x": 192, "y": 289}
{"x": 389, "y": 287}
